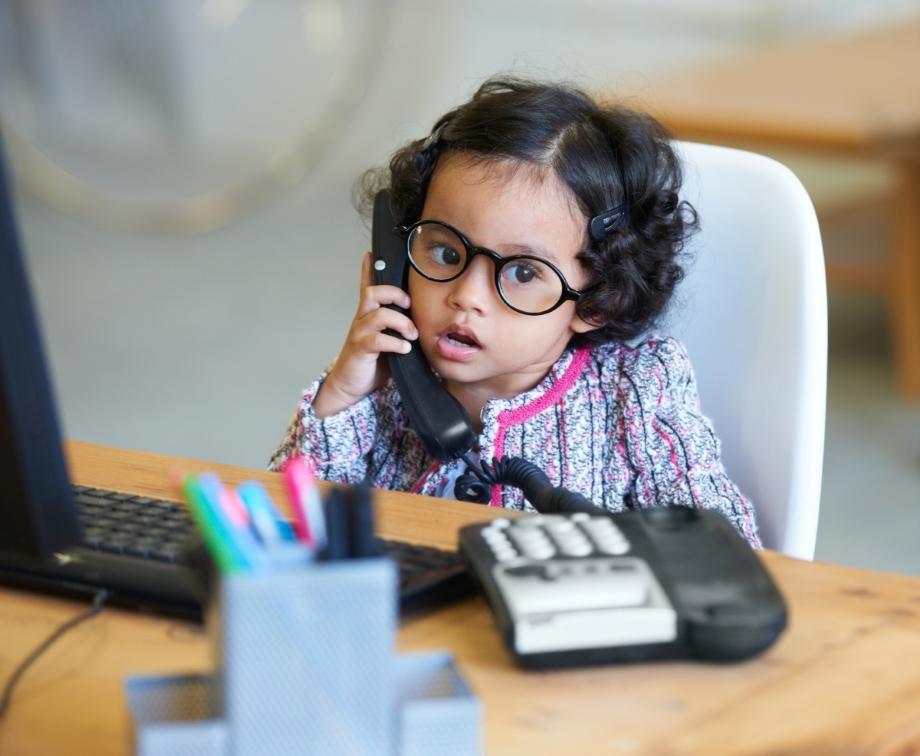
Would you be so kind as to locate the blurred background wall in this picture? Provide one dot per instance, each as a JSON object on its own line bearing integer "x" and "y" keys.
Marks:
{"x": 185, "y": 173}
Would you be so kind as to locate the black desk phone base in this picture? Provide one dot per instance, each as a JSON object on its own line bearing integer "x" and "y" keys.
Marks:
{"x": 665, "y": 583}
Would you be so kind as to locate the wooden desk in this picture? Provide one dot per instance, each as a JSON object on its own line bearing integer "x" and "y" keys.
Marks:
{"x": 854, "y": 96}
{"x": 843, "y": 679}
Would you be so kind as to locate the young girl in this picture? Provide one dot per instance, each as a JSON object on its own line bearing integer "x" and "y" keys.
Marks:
{"x": 544, "y": 234}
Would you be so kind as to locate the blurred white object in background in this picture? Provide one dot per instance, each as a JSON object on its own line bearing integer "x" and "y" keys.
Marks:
{"x": 177, "y": 115}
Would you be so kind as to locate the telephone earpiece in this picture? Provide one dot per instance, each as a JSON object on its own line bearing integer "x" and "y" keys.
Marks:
{"x": 442, "y": 425}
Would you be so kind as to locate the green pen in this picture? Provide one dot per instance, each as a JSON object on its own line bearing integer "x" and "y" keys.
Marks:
{"x": 228, "y": 561}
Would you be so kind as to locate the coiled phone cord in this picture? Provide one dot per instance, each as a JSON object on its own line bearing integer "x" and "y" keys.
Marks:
{"x": 475, "y": 485}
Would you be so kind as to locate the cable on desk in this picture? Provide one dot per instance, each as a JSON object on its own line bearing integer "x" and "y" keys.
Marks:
{"x": 98, "y": 600}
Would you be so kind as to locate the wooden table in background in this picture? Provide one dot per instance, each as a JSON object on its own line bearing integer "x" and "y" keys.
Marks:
{"x": 856, "y": 96}
{"x": 843, "y": 679}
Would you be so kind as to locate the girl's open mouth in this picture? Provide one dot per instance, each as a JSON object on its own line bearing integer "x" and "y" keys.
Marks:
{"x": 458, "y": 344}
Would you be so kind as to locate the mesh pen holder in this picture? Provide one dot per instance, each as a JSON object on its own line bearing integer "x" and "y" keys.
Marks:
{"x": 305, "y": 664}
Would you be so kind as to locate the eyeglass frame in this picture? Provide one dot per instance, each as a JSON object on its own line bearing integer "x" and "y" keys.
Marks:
{"x": 498, "y": 262}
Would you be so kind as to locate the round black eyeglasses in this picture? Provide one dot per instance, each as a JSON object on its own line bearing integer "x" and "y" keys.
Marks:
{"x": 528, "y": 285}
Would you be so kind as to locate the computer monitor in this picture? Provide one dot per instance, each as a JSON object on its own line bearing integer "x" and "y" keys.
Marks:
{"x": 41, "y": 540}
{"x": 37, "y": 516}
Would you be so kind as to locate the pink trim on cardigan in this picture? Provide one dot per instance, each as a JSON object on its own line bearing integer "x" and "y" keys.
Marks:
{"x": 513, "y": 417}
{"x": 672, "y": 447}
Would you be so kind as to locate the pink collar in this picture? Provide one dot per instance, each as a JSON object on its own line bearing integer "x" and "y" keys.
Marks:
{"x": 535, "y": 406}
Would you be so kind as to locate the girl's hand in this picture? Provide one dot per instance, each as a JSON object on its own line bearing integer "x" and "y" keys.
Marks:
{"x": 358, "y": 370}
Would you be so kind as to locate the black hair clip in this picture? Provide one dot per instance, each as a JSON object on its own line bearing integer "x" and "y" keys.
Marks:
{"x": 434, "y": 137}
{"x": 603, "y": 224}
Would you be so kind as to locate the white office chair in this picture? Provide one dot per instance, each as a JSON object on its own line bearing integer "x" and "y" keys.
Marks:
{"x": 752, "y": 313}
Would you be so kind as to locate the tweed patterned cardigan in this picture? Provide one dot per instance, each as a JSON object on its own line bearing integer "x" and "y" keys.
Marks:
{"x": 606, "y": 421}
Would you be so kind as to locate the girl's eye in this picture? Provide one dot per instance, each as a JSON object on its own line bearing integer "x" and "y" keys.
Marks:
{"x": 520, "y": 273}
{"x": 444, "y": 255}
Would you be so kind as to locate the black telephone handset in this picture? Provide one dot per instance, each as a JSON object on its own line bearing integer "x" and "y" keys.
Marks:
{"x": 443, "y": 426}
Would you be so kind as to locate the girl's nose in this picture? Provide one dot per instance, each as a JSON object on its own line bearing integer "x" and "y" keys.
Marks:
{"x": 475, "y": 289}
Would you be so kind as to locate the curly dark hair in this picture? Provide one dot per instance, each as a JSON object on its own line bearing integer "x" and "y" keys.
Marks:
{"x": 607, "y": 155}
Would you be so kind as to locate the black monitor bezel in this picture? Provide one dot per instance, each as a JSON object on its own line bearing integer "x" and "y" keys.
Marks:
{"x": 37, "y": 515}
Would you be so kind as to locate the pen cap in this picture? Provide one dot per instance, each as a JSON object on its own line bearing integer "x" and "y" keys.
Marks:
{"x": 305, "y": 500}
{"x": 337, "y": 525}
{"x": 268, "y": 522}
{"x": 362, "y": 540}
{"x": 350, "y": 524}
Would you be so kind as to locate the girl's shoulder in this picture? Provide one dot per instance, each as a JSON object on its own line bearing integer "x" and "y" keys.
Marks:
{"x": 649, "y": 353}
{"x": 644, "y": 367}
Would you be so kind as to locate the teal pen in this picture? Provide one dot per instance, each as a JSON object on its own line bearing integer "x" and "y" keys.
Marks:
{"x": 268, "y": 523}
{"x": 243, "y": 541}
{"x": 227, "y": 558}
{"x": 231, "y": 553}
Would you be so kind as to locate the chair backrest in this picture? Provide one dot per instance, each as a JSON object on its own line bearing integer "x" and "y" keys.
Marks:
{"x": 752, "y": 312}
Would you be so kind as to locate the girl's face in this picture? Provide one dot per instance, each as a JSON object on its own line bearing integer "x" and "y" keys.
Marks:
{"x": 468, "y": 334}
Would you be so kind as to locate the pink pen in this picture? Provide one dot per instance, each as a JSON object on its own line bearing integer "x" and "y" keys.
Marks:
{"x": 234, "y": 507}
{"x": 309, "y": 521}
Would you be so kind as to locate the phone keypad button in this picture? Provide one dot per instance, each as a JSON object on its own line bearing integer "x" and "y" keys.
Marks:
{"x": 501, "y": 547}
{"x": 576, "y": 547}
{"x": 533, "y": 542}
{"x": 614, "y": 548}
{"x": 606, "y": 536}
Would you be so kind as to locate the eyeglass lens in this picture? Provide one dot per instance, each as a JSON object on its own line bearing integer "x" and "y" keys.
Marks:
{"x": 525, "y": 283}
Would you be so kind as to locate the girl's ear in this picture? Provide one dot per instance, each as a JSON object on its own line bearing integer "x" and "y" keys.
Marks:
{"x": 577, "y": 325}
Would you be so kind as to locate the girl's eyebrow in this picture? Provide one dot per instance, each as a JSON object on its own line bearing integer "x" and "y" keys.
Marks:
{"x": 524, "y": 249}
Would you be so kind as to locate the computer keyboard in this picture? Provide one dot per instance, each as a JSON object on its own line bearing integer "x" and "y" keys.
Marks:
{"x": 142, "y": 529}
{"x": 137, "y": 526}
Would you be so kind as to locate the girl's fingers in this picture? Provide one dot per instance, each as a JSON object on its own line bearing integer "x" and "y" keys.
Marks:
{"x": 383, "y": 318}
{"x": 375, "y": 297}
{"x": 378, "y": 342}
